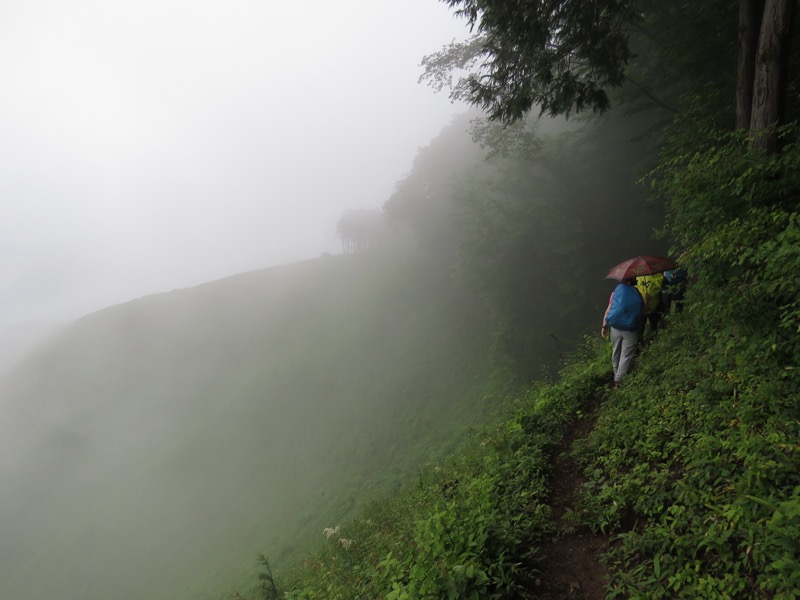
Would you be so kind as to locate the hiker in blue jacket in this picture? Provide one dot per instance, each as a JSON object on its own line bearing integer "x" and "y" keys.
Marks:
{"x": 623, "y": 317}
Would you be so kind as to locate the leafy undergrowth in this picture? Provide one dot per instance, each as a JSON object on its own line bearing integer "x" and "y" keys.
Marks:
{"x": 695, "y": 463}
{"x": 694, "y": 469}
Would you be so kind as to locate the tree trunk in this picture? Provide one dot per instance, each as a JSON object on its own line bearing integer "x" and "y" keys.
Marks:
{"x": 750, "y": 13}
{"x": 771, "y": 66}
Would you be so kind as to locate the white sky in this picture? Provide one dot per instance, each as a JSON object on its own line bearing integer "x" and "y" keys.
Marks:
{"x": 147, "y": 145}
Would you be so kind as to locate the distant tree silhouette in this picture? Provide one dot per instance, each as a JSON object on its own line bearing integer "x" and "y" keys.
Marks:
{"x": 360, "y": 229}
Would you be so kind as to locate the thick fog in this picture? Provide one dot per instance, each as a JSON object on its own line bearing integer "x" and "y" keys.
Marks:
{"x": 149, "y": 145}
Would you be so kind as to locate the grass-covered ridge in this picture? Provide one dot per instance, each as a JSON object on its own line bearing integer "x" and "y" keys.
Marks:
{"x": 164, "y": 442}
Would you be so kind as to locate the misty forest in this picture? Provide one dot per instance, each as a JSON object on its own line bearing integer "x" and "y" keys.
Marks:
{"x": 429, "y": 413}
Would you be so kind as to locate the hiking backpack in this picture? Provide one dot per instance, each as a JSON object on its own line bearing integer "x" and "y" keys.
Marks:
{"x": 649, "y": 287}
{"x": 625, "y": 312}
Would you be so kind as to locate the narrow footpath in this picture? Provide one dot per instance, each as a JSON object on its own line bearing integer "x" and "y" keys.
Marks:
{"x": 570, "y": 562}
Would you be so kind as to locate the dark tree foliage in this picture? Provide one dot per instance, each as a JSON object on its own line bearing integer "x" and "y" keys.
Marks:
{"x": 682, "y": 56}
{"x": 677, "y": 55}
{"x": 557, "y": 56}
{"x": 565, "y": 56}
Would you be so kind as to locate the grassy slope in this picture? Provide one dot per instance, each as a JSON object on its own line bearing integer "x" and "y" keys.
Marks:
{"x": 169, "y": 440}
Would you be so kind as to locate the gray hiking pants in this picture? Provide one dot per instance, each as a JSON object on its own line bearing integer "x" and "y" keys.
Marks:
{"x": 623, "y": 347}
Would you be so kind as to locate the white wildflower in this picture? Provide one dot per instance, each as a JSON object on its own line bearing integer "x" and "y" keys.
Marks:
{"x": 329, "y": 532}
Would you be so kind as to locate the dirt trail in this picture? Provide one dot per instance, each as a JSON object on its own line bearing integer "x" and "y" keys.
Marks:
{"x": 571, "y": 561}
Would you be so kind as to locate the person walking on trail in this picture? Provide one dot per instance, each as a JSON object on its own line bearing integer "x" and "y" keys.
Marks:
{"x": 622, "y": 320}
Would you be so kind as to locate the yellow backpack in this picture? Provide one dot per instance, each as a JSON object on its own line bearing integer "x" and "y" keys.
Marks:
{"x": 649, "y": 287}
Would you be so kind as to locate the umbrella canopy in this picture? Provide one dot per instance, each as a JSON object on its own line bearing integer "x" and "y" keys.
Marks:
{"x": 641, "y": 265}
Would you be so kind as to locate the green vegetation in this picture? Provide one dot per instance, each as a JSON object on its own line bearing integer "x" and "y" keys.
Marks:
{"x": 693, "y": 467}
{"x": 694, "y": 464}
{"x": 385, "y": 403}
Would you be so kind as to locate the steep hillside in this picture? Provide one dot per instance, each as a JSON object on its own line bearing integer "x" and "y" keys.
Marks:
{"x": 155, "y": 447}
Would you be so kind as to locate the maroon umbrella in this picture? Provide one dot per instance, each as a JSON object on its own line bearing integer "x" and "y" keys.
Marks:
{"x": 641, "y": 265}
